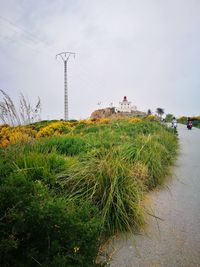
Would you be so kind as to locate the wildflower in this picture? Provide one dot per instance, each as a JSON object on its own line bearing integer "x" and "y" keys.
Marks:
{"x": 76, "y": 249}
{"x": 134, "y": 120}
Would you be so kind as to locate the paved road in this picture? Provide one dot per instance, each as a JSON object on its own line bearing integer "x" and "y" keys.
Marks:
{"x": 175, "y": 240}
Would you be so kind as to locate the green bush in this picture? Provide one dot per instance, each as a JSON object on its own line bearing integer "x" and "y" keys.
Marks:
{"x": 39, "y": 229}
{"x": 67, "y": 145}
{"x": 6, "y": 160}
{"x": 182, "y": 120}
{"x": 196, "y": 122}
{"x": 169, "y": 117}
{"x": 40, "y": 166}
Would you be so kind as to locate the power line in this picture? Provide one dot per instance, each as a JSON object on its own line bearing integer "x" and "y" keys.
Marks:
{"x": 12, "y": 41}
{"x": 29, "y": 34}
{"x": 33, "y": 39}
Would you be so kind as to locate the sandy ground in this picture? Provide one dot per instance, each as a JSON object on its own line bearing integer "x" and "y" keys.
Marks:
{"x": 173, "y": 240}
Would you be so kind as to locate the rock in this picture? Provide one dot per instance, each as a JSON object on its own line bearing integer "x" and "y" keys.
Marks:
{"x": 110, "y": 113}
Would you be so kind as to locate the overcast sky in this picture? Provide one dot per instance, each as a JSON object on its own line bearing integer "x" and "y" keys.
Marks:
{"x": 147, "y": 50}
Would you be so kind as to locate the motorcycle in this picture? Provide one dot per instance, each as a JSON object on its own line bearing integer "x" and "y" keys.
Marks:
{"x": 189, "y": 125}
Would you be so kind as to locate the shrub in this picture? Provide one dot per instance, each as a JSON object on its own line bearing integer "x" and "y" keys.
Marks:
{"x": 196, "y": 121}
{"x": 182, "y": 120}
{"x": 55, "y": 128}
{"x": 41, "y": 124}
{"x": 152, "y": 118}
{"x": 102, "y": 121}
{"x": 169, "y": 117}
{"x": 134, "y": 120}
{"x": 14, "y": 135}
{"x": 7, "y": 157}
{"x": 38, "y": 229}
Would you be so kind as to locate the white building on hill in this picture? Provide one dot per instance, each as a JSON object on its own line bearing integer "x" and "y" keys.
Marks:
{"x": 125, "y": 106}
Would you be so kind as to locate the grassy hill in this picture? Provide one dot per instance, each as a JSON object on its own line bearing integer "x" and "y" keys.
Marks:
{"x": 66, "y": 185}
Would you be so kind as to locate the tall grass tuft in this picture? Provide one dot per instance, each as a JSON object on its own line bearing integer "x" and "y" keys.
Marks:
{"x": 115, "y": 186}
{"x": 67, "y": 145}
{"x": 40, "y": 166}
{"x": 155, "y": 151}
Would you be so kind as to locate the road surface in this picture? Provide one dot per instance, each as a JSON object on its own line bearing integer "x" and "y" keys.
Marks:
{"x": 175, "y": 240}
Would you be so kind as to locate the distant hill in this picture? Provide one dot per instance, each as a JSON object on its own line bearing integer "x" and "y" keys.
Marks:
{"x": 111, "y": 113}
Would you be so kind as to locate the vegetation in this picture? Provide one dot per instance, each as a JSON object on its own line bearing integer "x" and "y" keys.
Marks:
{"x": 169, "y": 117}
{"x": 149, "y": 112}
{"x": 38, "y": 228}
{"x": 195, "y": 120}
{"x": 25, "y": 115}
{"x": 160, "y": 112}
{"x": 66, "y": 185}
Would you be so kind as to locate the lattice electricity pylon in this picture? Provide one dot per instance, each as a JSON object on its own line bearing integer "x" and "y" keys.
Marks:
{"x": 65, "y": 57}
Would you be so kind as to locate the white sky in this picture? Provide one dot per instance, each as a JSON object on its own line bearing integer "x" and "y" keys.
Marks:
{"x": 148, "y": 50}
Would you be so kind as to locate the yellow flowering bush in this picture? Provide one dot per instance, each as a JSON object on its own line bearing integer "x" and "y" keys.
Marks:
{"x": 196, "y": 118}
{"x": 134, "y": 120}
{"x": 151, "y": 117}
{"x": 82, "y": 122}
{"x": 86, "y": 122}
{"x": 103, "y": 121}
{"x": 13, "y": 135}
{"x": 55, "y": 128}
{"x": 93, "y": 121}
{"x": 89, "y": 122}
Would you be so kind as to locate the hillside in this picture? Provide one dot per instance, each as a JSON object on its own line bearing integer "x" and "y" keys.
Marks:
{"x": 64, "y": 186}
{"x": 110, "y": 113}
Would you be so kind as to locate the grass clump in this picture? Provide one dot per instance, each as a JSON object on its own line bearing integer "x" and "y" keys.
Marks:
{"x": 156, "y": 152}
{"x": 114, "y": 186}
{"x": 67, "y": 145}
{"x": 40, "y": 166}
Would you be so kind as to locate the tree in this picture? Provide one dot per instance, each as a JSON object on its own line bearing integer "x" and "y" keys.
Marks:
{"x": 169, "y": 117}
{"x": 160, "y": 112}
{"x": 149, "y": 112}
{"x": 25, "y": 115}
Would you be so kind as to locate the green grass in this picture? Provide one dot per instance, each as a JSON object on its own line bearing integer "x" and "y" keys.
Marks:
{"x": 110, "y": 166}
{"x": 107, "y": 172}
{"x": 67, "y": 145}
{"x": 40, "y": 166}
{"x": 112, "y": 185}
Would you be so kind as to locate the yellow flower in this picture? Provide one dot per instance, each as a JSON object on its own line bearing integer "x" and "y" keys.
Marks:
{"x": 55, "y": 128}
{"x": 14, "y": 135}
{"x": 151, "y": 117}
{"x": 197, "y": 118}
{"x": 134, "y": 120}
{"x": 89, "y": 122}
{"x": 103, "y": 121}
{"x": 76, "y": 249}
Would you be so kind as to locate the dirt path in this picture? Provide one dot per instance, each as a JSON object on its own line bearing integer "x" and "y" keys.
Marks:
{"x": 175, "y": 240}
